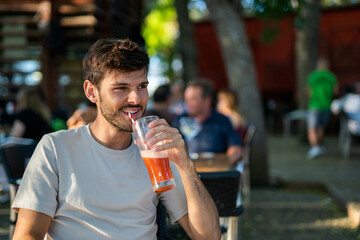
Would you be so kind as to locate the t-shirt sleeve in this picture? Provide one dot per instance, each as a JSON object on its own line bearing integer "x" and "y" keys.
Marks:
{"x": 39, "y": 187}
{"x": 175, "y": 199}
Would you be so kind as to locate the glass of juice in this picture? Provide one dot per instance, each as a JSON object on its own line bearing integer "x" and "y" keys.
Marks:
{"x": 157, "y": 163}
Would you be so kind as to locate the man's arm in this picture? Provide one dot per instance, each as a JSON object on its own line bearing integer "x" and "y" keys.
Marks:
{"x": 234, "y": 154}
{"x": 31, "y": 225}
{"x": 18, "y": 129}
{"x": 202, "y": 220}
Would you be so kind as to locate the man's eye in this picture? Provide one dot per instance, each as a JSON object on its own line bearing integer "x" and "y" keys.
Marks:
{"x": 121, "y": 88}
{"x": 143, "y": 86}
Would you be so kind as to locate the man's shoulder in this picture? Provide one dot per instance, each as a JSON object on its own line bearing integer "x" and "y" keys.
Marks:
{"x": 68, "y": 134}
{"x": 216, "y": 116}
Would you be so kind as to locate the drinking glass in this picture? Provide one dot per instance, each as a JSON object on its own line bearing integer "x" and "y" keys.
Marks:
{"x": 157, "y": 163}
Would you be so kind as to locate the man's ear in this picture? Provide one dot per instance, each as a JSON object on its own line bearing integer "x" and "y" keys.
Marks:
{"x": 90, "y": 91}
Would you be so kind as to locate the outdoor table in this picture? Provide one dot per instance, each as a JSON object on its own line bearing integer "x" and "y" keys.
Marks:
{"x": 210, "y": 162}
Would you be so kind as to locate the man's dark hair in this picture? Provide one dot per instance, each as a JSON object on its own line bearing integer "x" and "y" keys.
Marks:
{"x": 205, "y": 85}
{"x": 162, "y": 94}
{"x": 113, "y": 54}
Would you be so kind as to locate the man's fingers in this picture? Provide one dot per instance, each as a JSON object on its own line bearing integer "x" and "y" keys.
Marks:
{"x": 169, "y": 145}
{"x": 162, "y": 128}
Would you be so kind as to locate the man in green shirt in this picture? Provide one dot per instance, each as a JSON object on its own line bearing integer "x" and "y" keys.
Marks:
{"x": 321, "y": 86}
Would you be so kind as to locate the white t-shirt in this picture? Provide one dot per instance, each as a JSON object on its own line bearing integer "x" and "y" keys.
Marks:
{"x": 350, "y": 104}
{"x": 94, "y": 192}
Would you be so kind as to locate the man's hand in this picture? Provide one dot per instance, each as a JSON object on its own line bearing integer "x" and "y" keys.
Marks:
{"x": 202, "y": 220}
{"x": 166, "y": 138}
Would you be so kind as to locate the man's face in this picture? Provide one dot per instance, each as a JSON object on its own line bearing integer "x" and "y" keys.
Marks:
{"x": 120, "y": 93}
{"x": 195, "y": 103}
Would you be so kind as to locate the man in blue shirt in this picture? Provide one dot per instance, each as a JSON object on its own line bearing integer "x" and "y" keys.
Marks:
{"x": 204, "y": 129}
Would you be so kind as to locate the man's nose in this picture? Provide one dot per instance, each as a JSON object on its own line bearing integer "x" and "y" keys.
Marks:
{"x": 134, "y": 97}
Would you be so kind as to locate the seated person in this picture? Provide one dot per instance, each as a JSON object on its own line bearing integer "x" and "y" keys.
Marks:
{"x": 82, "y": 116}
{"x": 228, "y": 104}
{"x": 91, "y": 182}
{"x": 162, "y": 101}
{"x": 177, "y": 106}
{"x": 33, "y": 117}
{"x": 350, "y": 106}
{"x": 205, "y": 129}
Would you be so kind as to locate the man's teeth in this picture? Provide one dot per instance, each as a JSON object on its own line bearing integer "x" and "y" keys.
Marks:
{"x": 131, "y": 112}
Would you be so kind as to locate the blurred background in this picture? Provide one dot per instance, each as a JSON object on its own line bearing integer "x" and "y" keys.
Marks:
{"x": 263, "y": 50}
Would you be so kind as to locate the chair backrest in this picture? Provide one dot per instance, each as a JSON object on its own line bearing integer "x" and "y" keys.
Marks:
{"x": 161, "y": 233}
{"x": 224, "y": 189}
{"x": 250, "y": 132}
{"x": 15, "y": 158}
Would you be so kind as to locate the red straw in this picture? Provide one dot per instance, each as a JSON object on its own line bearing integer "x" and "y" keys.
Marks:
{"x": 132, "y": 120}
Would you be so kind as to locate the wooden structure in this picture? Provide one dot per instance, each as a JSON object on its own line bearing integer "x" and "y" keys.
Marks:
{"x": 54, "y": 36}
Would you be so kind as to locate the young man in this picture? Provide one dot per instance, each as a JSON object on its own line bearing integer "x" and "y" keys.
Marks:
{"x": 215, "y": 132}
{"x": 91, "y": 183}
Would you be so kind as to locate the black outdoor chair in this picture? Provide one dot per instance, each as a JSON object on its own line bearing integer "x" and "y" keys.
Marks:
{"x": 14, "y": 158}
{"x": 223, "y": 187}
{"x": 161, "y": 233}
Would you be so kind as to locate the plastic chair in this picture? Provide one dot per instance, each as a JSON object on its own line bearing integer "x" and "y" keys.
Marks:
{"x": 223, "y": 187}
{"x": 15, "y": 157}
{"x": 345, "y": 136}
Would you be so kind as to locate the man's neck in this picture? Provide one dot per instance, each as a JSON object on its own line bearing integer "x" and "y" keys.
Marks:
{"x": 109, "y": 136}
{"x": 204, "y": 116}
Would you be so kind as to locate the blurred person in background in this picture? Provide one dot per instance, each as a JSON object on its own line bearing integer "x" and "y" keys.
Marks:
{"x": 177, "y": 105}
{"x": 350, "y": 106}
{"x": 162, "y": 101}
{"x": 205, "y": 129}
{"x": 321, "y": 87}
{"x": 33, "y": 117}
{"x": 85, "y": 114}
{"x": 228, "y": 105}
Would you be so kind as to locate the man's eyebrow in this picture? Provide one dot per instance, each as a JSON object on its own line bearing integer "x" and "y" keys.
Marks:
{"x": 128, "y": 84}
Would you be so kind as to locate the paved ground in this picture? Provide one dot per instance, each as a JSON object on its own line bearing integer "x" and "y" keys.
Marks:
{"x": 340, "y": 177}
{"x": 294, "y": 214}
{"x": 315, "y": 198}
{"x": 312, "y": 203}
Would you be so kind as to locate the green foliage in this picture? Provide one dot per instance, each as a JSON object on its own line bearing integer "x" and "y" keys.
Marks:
{"x": 160, "y": 29}
{"x": 275, "y": 9}
{"x": 339, "y": 2}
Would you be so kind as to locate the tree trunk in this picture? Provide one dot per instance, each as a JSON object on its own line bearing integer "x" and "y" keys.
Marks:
{"x": 187, "y": 42}
{"x": 242, "y": 78}
{"x": 307, "y": 37}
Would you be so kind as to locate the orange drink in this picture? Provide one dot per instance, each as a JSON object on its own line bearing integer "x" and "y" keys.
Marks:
{"x": 158, "y": 167}
{"x": 157, "y": 163}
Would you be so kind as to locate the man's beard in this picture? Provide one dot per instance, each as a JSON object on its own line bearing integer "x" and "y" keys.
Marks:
{"x": 116, "y": 118}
